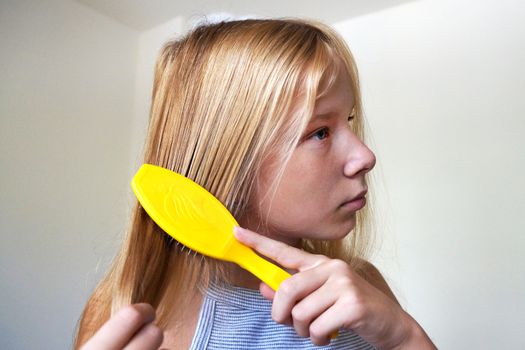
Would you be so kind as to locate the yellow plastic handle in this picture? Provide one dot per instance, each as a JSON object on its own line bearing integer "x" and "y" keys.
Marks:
{"x": 266, "y": 271}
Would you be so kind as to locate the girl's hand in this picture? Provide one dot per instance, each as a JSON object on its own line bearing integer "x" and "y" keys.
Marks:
{"x": 326, "y": 295}
{"x": 130, "y": 328}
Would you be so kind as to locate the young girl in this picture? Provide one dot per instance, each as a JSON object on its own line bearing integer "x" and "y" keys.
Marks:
{"x": 266, "y": 115}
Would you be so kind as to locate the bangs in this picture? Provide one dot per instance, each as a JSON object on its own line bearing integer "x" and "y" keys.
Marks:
{"x": 320, "y": 76}
{"x": 330, "y": 71}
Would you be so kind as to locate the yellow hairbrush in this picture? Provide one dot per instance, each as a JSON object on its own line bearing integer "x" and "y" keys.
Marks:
{"x": 195, "y": 218}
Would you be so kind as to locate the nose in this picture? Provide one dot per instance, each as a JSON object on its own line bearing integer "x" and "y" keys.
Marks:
{"x": 359, "y": 158}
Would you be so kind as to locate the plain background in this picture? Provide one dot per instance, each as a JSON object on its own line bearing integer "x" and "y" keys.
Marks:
{"x": 443, "y": 84}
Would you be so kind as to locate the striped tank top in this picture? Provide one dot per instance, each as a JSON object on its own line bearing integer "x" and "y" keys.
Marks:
{"x": 238, "y": 318}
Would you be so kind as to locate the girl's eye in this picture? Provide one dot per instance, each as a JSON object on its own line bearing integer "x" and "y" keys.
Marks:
{"x": 320, "y": 134}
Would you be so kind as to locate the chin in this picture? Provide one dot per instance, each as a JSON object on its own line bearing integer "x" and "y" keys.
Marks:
{"x": 336, "y": 233}
{"x": 342, "y": 234}
{"x": 343, "y": 230}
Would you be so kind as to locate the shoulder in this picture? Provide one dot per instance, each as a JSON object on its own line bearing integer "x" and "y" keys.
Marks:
{"x": 371, "y": 274}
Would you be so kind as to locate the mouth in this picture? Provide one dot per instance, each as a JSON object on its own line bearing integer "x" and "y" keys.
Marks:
{"x": 357, "y": 202}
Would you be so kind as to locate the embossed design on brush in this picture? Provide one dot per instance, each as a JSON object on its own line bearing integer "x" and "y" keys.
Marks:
{"x": 181, "y": 207}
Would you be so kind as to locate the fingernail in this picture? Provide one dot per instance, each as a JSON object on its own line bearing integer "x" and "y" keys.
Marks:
{"x": 240, "y": 233}
{"x": 236, "y": 231}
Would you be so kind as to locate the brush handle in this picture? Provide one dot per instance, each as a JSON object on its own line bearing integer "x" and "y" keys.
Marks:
{"x": 267, "y": 272}
{"x": 246, "y": 258}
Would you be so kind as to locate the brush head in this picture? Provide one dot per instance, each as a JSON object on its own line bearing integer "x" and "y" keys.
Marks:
{"x": 185, "y": 211}
{"x": 196, "y": 219}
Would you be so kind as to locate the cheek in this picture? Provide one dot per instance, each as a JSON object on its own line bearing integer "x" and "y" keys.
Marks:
{"x": 308, "y": 219}
{"x": 300, "y": 204}
{"x": 304, "y": 204}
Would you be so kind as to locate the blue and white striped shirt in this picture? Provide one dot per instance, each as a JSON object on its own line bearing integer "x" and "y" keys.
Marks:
{"x": 238, "y": 318}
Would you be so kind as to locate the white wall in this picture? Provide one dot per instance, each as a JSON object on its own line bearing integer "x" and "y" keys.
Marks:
{"x": 66, "y": 114}
{"x": 443, "y": 84}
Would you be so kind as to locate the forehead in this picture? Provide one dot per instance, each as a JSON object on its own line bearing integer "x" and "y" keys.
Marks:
{"x": 339, "y": 98}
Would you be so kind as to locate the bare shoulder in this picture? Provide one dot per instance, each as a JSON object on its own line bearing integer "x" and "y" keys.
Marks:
{"x": 371, "y": 274}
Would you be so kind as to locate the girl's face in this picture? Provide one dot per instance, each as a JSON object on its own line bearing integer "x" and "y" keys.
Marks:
{"x": 325, "y": 173}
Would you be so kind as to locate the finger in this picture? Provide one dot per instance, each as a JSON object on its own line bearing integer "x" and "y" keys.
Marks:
{"x": 266, "y": 291}
{"x": 310, "y": 308}
{"x": 328, "y": 323}
{"x": 148, "y": 337}
{"x": 119, "y": 329}
{"x": 295, "y": 289}
{"x": 283, "y": 254}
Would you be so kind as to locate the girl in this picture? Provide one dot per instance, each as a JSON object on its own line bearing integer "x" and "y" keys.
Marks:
{"x": 266, "y": 115}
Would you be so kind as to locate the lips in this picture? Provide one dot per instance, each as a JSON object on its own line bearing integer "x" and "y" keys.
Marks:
{"x": 360, "y": 195}
{"x": 355, "y": 203}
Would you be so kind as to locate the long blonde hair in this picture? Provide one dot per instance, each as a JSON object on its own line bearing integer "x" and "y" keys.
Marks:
{"x": 225, "y": 97}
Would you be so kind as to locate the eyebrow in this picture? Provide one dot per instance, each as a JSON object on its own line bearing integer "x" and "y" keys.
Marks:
{"x": 322, "y": 116}
{"x": 326, "y": 115}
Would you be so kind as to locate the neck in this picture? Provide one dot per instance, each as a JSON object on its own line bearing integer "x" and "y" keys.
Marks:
{"x": 243, "y": 278}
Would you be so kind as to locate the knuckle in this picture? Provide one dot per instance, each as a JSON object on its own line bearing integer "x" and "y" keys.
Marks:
{"x": 131, "y": 315}
{"x": 155, "y": 333}
{"x": 281, "y": 254}
{"x": 278, "y": 317}
{"x": 351, "y": 299}
{"x": 321, "y": 258}
{"x": 343, "y": 282}
{"x": 316, "y": 334}
{"x": 339, "y": 265}
{"x": 356, "y": 304}
{"x": 314, "y": 331}
{"x": 300, "y": 315}
{"x": 280, "y": 257}
{"x": 288, "y": 288}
